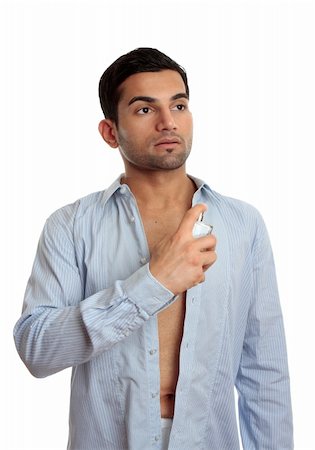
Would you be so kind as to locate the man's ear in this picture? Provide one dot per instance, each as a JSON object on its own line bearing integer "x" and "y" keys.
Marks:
{"x": 108, "y": 131}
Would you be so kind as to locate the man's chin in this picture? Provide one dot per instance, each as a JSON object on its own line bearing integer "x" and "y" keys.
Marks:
{"x": 169, "y": 161}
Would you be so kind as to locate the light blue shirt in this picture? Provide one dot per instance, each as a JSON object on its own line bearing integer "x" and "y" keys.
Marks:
{"x": 91, "y": 303}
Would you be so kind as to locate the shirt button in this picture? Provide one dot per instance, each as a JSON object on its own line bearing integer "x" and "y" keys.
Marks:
{"x": 193, "y": 300}
{"x": 126, "y": 332}
{"x": 157, "y": 438}
{"x": 132, "y": 219}
{"x": 143, "y": 260}
{"x": 123, "y": 189}
{"x": 153, "y": 351}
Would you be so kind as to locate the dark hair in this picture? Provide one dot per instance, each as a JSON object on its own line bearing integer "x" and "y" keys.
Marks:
{"x": 137, "y": 61}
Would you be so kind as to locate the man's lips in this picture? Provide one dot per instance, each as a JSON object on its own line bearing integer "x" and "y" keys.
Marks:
{"x": 167, "y": 141}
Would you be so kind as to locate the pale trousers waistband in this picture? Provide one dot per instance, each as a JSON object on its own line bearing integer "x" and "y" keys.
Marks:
{"x": 166, "y": 426}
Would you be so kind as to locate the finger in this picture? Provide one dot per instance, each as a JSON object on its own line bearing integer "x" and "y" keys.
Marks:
{"x": 191, "y": 217}
{"x": 208, "y": 258}
{"x": 201, "y": 279}
{"x": 205, "y": 243}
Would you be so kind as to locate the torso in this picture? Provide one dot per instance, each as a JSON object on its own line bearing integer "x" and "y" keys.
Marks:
{"x": 171, "y": 319}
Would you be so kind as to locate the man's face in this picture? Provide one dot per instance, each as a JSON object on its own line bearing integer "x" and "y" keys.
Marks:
{"x": 154, "y": 129}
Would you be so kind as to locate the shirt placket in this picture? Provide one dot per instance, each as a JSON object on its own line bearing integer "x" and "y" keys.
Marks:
{"x": 178, "y": 436}
{"x": 151, "y": 328}
{"x": 187, "y": 352}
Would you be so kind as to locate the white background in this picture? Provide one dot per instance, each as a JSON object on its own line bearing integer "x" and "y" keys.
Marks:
{"x": 251, "y": 72}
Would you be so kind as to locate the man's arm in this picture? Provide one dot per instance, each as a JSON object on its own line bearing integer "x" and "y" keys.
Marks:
{"x": 263, "y": 379}
{"x": 59, "y": 328}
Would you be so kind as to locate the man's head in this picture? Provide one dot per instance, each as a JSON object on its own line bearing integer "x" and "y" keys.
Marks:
{"x": 145, "y": 99}
{"x": 136, "y": 61}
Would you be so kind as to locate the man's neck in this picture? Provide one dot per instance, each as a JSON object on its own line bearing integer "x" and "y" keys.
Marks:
{"x": 160, "y": 189}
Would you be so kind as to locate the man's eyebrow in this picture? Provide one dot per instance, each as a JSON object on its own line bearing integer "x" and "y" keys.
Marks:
{"x": 144, "y": 98}
{"x": 180, "y": 95}
{"x": 141, "y": 98}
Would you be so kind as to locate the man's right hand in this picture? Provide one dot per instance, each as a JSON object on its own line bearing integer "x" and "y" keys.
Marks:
{"x": 179, "y": 262}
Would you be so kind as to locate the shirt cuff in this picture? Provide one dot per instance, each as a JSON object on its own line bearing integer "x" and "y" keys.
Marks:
{"x": 145, "y": 291}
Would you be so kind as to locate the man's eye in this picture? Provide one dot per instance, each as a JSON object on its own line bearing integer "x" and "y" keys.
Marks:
{"x": 144, "y": 110}
{"x": 180, "y": 107}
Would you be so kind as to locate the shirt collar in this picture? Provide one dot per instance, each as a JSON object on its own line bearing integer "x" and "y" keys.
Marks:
{"x": 123, "y": 188}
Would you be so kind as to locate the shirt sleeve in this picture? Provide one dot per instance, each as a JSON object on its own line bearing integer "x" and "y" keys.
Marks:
{"x": 263, "y": 380}
{"x": 59, "y": 328}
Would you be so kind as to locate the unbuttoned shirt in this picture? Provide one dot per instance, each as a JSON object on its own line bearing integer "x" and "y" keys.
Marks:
{"x": 91, "y": 303}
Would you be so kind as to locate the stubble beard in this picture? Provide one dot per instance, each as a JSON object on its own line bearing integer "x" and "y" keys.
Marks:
{"x": 167, "y": 159}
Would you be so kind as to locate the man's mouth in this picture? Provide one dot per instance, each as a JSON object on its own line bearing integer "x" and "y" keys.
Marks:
{"x": 167, "y": 142}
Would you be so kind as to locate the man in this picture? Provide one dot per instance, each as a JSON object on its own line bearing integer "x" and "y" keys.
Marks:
{"x": 158, "y": 325}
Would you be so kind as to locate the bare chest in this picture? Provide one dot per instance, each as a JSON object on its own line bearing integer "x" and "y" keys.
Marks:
{"x": 171, "y": 319}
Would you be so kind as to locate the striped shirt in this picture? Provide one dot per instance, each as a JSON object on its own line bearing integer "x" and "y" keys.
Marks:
{"x": 91, "y": 303}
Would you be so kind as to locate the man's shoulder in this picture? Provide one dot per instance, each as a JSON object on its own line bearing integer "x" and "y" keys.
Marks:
{"x": 90, "y": 205}
{"x": 237, "y": 205}
{"x": 242, "y": 221}
{"x": 225, "y": 203}
{"x": 231, "y": 205}
{"x": 238, "y": 216}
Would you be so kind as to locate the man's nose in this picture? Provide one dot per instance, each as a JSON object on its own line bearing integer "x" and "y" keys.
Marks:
{"x": 166, "y": 121}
